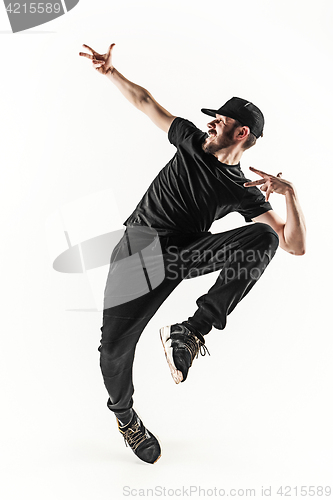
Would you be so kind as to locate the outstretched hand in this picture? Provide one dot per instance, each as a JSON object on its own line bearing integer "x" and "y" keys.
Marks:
{"x": 101, "y": 62}
{"x": 270, "y": 183}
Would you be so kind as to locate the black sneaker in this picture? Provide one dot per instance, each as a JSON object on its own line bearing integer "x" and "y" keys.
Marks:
{"x": 143, "y": 443}
{"x": 181, "y": 346}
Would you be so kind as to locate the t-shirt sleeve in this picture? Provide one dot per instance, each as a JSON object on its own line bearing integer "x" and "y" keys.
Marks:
{"x": 253, "y": 204}
{"x": 180, "y": 130}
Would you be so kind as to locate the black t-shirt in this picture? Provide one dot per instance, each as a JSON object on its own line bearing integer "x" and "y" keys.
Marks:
{"x": 195, "y": 188}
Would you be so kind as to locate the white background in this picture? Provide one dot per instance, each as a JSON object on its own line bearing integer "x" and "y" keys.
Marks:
{"x": 256, "y": 413}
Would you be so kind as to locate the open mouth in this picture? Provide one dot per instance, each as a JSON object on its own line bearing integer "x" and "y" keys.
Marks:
{"x": 212, "y": 132}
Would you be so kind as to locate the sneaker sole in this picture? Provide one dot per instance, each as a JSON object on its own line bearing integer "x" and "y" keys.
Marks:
{"x": 166, "y": 341}
{"x": 157, "y": 459}
{"x": 160, "y": 453}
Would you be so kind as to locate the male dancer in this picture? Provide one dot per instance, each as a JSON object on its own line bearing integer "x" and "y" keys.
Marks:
{"x": 203, "y": 182}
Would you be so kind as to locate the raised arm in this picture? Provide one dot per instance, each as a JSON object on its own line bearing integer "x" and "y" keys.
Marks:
{"x": 136, "y": 95}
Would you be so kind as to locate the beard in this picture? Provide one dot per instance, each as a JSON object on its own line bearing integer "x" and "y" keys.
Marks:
{"x": 215, "y": 144}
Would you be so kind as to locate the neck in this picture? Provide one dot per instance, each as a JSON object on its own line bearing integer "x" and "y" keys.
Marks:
{"x": 229, "y": 156}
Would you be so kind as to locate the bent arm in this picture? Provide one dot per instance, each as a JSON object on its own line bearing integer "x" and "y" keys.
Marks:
{"x": 141, "y": 99}
{"x": 292, "y": 232}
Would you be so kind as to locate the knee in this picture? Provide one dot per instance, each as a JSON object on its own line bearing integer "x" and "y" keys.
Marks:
{"x": 109, "y": 356}
{"x": 268, "y": 237}
{"x": 114, "y": 354}
{"x": 110, "y": 361}
{"x": 105, "y": 353}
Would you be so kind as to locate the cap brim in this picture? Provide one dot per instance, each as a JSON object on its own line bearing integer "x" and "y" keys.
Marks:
{"x": 210, "y": 112}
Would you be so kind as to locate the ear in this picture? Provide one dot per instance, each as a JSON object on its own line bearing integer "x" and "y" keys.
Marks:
{"x": 242, "y": 133}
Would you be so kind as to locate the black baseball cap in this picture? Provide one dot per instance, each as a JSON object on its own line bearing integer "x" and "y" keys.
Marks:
{"x": 244, "y": 111}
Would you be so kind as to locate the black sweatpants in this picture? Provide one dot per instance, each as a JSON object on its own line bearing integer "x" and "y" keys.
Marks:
{"x": 135, "y": 290}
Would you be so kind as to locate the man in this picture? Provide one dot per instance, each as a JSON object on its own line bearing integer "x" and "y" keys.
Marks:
{"x": 203, "y": 182}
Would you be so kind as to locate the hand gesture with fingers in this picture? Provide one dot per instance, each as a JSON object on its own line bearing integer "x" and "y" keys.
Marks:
{"x": 101, "y": 62}
{"x": 270, "y": 183}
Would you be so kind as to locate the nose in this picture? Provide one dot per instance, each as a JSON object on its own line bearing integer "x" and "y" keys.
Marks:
{"x": 211, "y": 124}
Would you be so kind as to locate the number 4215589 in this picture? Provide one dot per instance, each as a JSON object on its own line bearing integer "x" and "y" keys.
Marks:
{"x": 34, "y": 8}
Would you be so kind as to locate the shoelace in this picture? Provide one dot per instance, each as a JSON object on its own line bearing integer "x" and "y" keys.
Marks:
{"x": 134, "y": 436}
{"x": 192, "y": 344}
